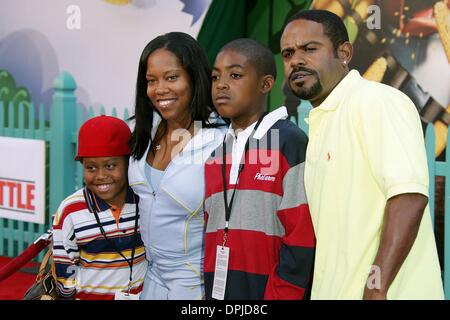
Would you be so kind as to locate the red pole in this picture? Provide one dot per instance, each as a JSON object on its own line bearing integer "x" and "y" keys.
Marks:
{"x": 27, "y": 255}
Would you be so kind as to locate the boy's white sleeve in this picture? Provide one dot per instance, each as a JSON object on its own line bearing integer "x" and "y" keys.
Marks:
{"x": 65, "y": 253}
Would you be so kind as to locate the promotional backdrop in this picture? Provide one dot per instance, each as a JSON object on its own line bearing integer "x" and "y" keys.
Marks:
{"x": 22, "y": 183}
{"x": 98, "y": 41}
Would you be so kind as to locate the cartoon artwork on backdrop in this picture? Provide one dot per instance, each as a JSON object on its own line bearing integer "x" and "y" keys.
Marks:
{"x": 137, "y": 3}
{"x": 65, "y": 37}
{"x": 10, "y": 93}
{"x": 194, "y": 8}
{"x": 405, "y": 44}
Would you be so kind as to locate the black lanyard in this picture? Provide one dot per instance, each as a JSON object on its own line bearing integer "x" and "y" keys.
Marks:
{"x": 229, "y": 206}
{"x": 129, "y": 262}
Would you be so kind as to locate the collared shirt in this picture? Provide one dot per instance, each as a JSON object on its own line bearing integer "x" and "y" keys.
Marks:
{"x": 270, "y": 237}
{"x": 86, "y": 264}
{"x": 241, "y": 137}
{"x": 366, "y": 146}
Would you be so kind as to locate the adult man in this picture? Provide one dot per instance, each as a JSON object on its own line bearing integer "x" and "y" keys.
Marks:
{"x": 366, "y": 174}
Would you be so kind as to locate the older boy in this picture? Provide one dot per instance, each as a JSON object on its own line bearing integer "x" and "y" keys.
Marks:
{"x": 259, "y": 236}
{"x": 97, "y": 248}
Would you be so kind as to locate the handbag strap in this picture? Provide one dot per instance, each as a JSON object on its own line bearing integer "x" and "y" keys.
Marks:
{"x": 48, "y": 256}
{"x": 53, "y": 269}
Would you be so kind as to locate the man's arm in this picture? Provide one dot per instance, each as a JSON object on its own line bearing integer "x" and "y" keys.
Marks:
{"x": 402, "y": 217}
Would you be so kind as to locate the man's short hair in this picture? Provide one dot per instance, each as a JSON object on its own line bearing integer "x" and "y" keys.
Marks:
{"x": 333, "y": 26}
{"x": 259, "y": 56}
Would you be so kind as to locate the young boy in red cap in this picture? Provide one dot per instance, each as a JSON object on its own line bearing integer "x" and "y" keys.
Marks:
{"x": 97, "y": 247}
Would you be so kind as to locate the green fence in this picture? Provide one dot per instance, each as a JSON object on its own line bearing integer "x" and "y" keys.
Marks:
{"x": 440, "y": 169}
{"x": 64, "y": 175}
{"x": 15, "y": 236}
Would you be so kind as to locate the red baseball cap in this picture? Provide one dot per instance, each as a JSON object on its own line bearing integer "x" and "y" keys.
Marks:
{"x": 103, "y": 136}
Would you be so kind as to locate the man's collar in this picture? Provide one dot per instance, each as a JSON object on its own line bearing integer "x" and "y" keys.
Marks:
{"x": 343, "y": 87}
{"x": 95, "y": 202}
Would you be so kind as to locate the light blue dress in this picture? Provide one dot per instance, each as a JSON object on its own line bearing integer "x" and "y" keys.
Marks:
{"x": 171, "y": 218}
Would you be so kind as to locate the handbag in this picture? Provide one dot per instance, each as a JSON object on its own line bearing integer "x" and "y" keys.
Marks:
{"x": 44, "y": 287}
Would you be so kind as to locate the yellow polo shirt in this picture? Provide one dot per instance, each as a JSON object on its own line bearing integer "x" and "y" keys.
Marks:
{"x": 366, "y": 146}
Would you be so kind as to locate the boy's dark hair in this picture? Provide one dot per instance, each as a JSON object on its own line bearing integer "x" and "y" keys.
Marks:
{"x": 333, "y": 26}
{"x": 193, "y": 58}
{"x": 259, "y": 56}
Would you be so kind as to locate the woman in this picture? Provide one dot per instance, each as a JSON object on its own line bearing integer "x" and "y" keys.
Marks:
{"x": 166, "y": 169}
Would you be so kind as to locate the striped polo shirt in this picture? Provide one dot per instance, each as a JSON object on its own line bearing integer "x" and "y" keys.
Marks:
{"x": 87, "y": 265}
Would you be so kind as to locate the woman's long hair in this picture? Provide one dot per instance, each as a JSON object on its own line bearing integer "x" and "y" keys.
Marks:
{"x": 193, "y": 58}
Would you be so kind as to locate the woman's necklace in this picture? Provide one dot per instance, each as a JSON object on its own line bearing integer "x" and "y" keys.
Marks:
{"x": 158, "y": 146}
